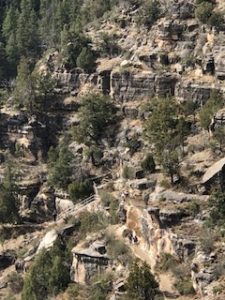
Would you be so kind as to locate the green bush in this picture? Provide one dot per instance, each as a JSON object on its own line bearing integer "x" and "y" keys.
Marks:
{"x": 118, "y": 250}
{"x": 207, "y": 242}
{"x": 128, "y": 172}
{"x": 207, "y": 111}
{"x": 204, "y": 11}
{"x": 92, "y": 222}
{"x": 148, "y": 164}
{"x": 72, "y": 45}
{"x": 166, "y": 263}
{"x": 216, "y": 205}
{"x": 86, "y": 60}
{"x": 107, "y": 45}
{"x": 216, "y": 20}
{"x": 59, "y": 166}
{"x": 80, "y": 190}
{"x": 95, "y": 10}
{"x": 15, "y": 282}
{"x": 73, "y": 291}
{"x": 183, "y": 282}
{"x": 149, "y": 12}
{"x": 185, "y": 287}
{"x": 110, "y": 201}
{"x": 193, "y": 208}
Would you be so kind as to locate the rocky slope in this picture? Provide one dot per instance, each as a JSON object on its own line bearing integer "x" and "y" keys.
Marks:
{"x": 158, "y": 223}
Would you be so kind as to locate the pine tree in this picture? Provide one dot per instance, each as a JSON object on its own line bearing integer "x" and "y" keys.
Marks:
{"x": 9, "y": 203}
{"x": 24, "y": 92}
{"x": 86, "y": 60}
{"x": 3, "y": 64}
{"x": 27, "y": 32}
{"x": 9, "y": 34}
{"x": 141, "y": 284}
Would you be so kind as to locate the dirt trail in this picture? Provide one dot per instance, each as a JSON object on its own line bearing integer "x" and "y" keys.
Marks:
{"x": 166, "y": 281}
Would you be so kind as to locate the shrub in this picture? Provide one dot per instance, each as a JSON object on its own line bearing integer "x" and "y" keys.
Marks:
{"x": 148, "y": 164}
{"x": 207, "y": 243}
{"x": 118, "y": 250}
{"x": 59, "y": 166}
{"x": 183, "y": 279}
{"x": 216, "y": 204}
{"x": 204, "y": 11}
{"x": 108, "y": 46}
{"x": 110, "y": 201}
{"x": 101, "y": 287}
{"x": 80, "y": 190}
{"x": 166, "y": 263}
{"x": 113, "y": 211}
{"x": 106, "y": 198}
{"x": 149, "y": 13}
{"x": 92, "y": 222}
{"x": 72, "y": 44}
{"x": 86, "y": 60}
{"x": 193, "y": 208}
{"x": 73, "y": 291}
{"x": 91, "y": 11}
{"x": 15, "y": 282}
{"x": 133, "y": 144}
{"x": 216, "y": 20}
{"x": 207, "y": 111}
{"x": 128, "y": 172}
{"x": 184, "y": 286}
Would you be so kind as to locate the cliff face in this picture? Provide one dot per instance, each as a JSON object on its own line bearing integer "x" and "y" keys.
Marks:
{"x": 156, "y": 221}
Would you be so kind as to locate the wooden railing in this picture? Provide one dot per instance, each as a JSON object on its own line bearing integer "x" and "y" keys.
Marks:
{"x": 77, "y": 207}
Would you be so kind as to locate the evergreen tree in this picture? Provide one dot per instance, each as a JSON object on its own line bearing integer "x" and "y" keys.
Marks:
{"x": 24, "y": 92}
{"x": 49, "y": 274}
{"x": 59, "y": 164}
{"x": 3, "y": 63}
{"x": 9, "y": 34}
{"x": 97, "y": 113}
{"x": 86, "y": 60}
{"x": 208, "y": 110}
{"x": 72, "y": 44}
{"x": 27, "y": 31}
{"x": 9, "y": 203}
{"x": 43, "y": 85}
{"x": 141, "y": 284}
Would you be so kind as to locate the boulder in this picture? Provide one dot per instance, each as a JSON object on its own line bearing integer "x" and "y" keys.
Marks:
{"x": 142, "y": 184}
{"x": 48, "y": 240}
{"x": 122, "y": 214}
{"x": 215, "y": 174}
{"x": 63, "y": 205}
{"x": 219, "y": 60}
{"x": 170, "y": 218}
{"x": 87, "y": 262}
{"x": 43, "y": 205}
{"x": 6, "y": 259}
